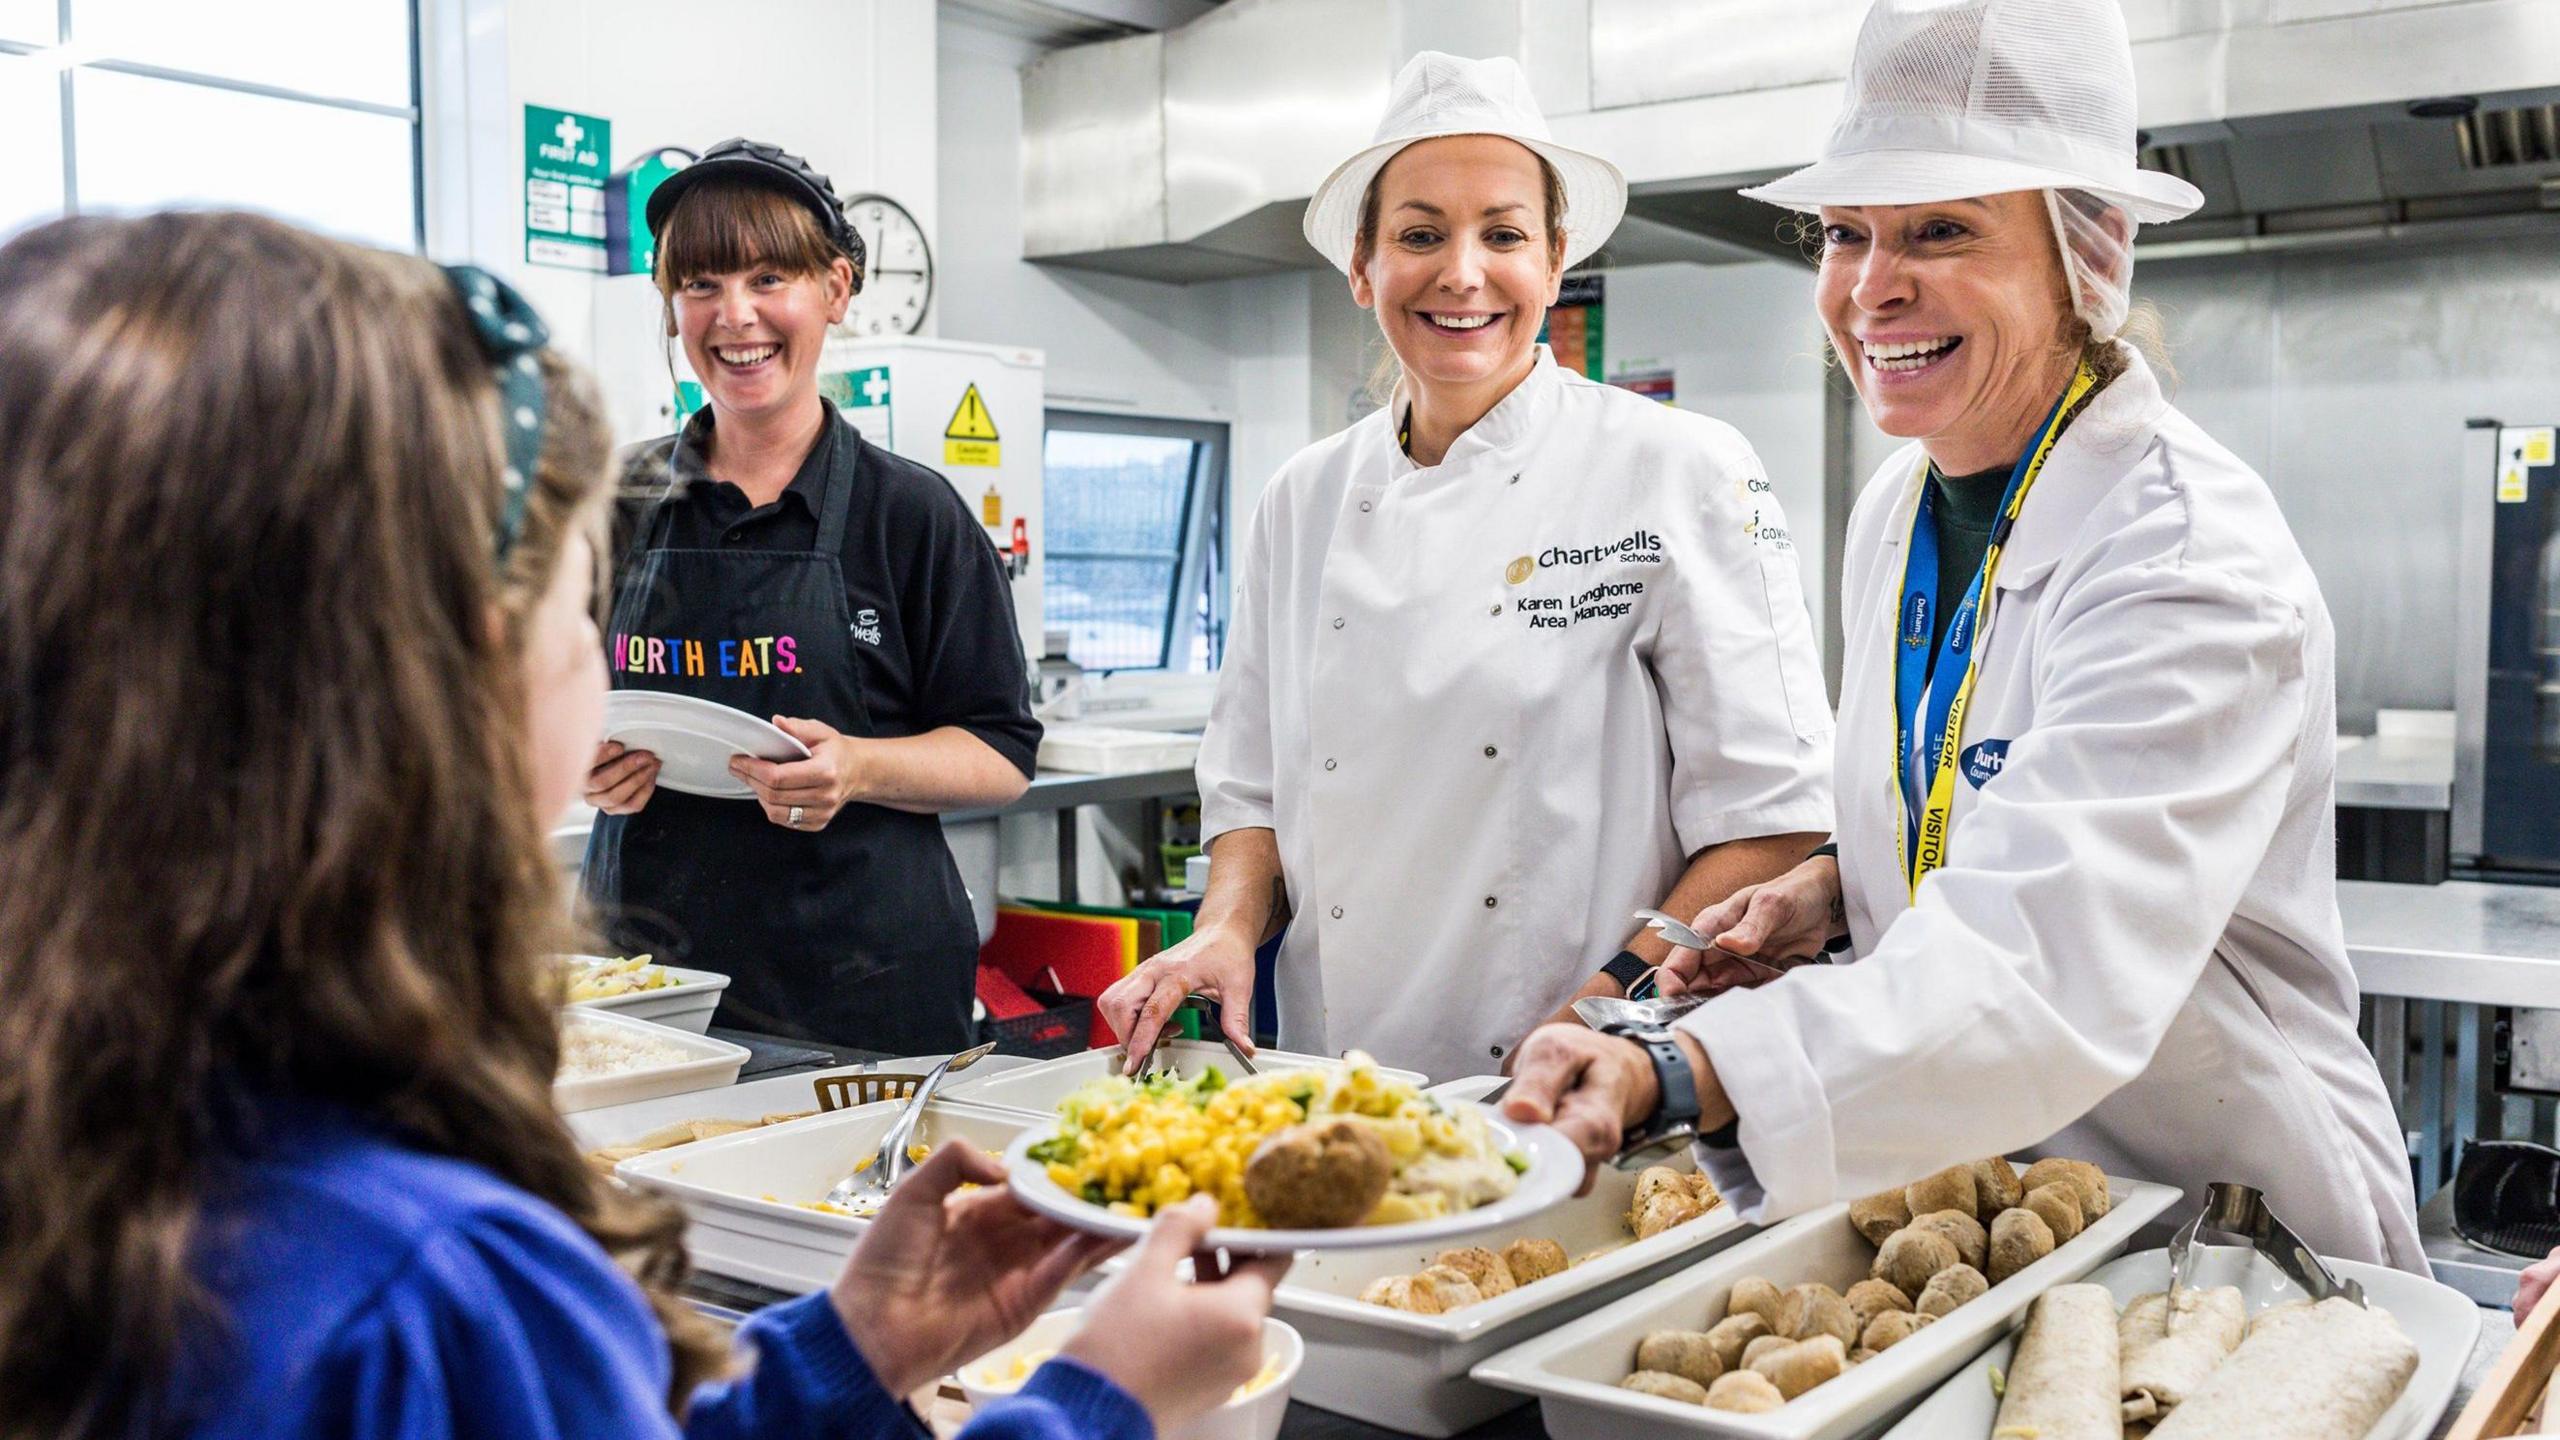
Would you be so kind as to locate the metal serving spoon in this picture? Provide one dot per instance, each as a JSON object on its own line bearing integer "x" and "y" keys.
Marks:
{"x": 868, "y": 1186}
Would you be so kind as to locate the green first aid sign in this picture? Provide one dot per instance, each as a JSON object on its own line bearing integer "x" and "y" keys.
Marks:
{"x": 564, "y": 174}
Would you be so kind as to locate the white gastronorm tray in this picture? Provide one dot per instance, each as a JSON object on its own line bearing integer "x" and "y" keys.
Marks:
{"x": 1038, "y": 1087}
{"x": 688, "y": 1004}
{"x": 1574, "y": 1371}
{"x": 744, "y": 1195}
{"x": 2440, "y": 1321}
{"x": 712, "y": 1063}
{"x": 746, "y": 1100}
{"x": 1408, "y": 1372}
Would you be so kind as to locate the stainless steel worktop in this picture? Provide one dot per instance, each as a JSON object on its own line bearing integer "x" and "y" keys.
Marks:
{"x": 2395, "y": 772}
{"x": 2464, "y": 941}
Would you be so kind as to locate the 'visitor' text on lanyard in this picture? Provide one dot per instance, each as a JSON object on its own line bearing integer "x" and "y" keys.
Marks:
{"x": 1944, "y": 689}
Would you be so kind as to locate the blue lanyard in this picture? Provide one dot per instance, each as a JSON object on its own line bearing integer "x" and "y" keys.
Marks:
{"x": 1945, "y": 687}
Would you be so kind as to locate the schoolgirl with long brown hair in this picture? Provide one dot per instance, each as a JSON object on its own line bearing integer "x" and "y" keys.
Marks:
{"x": 297, "y": 654}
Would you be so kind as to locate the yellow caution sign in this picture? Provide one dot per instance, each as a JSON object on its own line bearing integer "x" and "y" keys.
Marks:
{"x": 970, "y": 438}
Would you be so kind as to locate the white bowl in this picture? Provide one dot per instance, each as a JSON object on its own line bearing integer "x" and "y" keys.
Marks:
{"x": 688, "y": 1004}
{"x": 1254, "y": 1417}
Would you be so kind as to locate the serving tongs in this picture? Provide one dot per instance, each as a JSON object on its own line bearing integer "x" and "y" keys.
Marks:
{"x": 2239, "y": 1212}
{"x": 1147, "y": 1062}
{"x": 863, "y": 1191}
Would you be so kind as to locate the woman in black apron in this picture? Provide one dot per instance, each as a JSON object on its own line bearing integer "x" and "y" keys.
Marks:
{"x": 860, "y": 605}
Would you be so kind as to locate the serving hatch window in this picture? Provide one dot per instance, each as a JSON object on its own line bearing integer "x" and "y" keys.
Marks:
{"x": 303, "y": 109}
{"x": 1134, "y": 515}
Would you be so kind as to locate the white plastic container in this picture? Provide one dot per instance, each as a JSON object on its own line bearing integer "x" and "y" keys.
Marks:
{"x": 2441, "y": 1321}
{"x": 708, "y": 1063}
{"x": 686, "y": 1005}
{"x": 1574, "y": 1371}
{"x": 1408, "y": 1372}
{"x": 746, "y": 1100}
{"x": 744, "y": 1195}
{"x": 1107, "y": 750}
{"x": 1037, "y": 1088}
{"x": 1256, "y": 1416}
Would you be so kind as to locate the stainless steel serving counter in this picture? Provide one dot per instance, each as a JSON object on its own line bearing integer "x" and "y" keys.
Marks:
{"x": 2395, "y": 772}
{"x": 2463, "y": 941}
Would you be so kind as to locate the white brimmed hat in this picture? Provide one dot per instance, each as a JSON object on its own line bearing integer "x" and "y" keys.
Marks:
{"x": 1436, "y": 95}
{"x": 1957, "y": 99}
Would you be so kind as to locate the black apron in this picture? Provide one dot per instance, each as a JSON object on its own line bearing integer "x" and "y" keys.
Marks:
{"x": 859, "y": 934}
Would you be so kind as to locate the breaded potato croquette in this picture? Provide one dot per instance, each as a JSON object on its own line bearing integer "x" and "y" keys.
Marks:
{"x": 2019, "y": 1238}
{"x": 1950, "y": 1288}
{"x": 1878, "y": 1216}
{"x": 1669, "y": 1387}
{"x": 1530, "y": 1260}
{"x": 1744, "y": 1392}
{"x": 1910, "y": 1256}
{"x": 1804, "y": 1364}
{"x": 1482, "y": 1267}
{"x": 1688, "y": 1354}
{"x": 1949, "y": 1189}
{"x": 1965, "y": 1232}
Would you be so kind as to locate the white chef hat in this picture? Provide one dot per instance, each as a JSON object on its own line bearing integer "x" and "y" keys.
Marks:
{"x": 1957, "y": 99}
{"x": 1437, "y": 95}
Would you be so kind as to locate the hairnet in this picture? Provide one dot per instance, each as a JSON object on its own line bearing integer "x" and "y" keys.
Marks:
{"x": 2096, "y": 238}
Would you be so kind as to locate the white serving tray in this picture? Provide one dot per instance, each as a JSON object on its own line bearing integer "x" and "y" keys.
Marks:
{"x": 1408, "y": 1372}
{"x": 1036, "y": 1088}
{"x": 1574, "y": 1371}
{"x": 1109, "y": 750}
{"x": 713, "y": 1063}
{"x": 686, "y": 1005}
{"x": 2441, "y": 1322}
{"x": 742, "y": 1194}
{"x": 746, "y": 1100}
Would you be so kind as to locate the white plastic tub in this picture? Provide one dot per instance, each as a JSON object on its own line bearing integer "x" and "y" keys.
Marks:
{"x": 708, "y": 1063}
{"x": 1408, "y": 1372}
{"x": 1108, "y": 750}
{"x": 1037, "y": 1088}
{"x": 746, "y": 1100}
{"x": 688, "y": 1004}
{"x": 744, "y": 1195}
{"x": 1574, "y": 1371}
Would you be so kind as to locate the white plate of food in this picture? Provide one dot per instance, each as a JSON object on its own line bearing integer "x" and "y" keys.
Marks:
{"x": 636, "y": 986}
{"x": 694, "y": 739}
{"x": 2379, "y": 1400}
{"x": 1299, "y": 1160}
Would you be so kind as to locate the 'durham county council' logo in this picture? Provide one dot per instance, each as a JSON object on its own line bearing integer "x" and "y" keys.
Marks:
{"x": 1519, "y": 571}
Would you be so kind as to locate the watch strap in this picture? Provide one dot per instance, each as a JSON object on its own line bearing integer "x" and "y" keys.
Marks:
{"x": 1626, "y": 967}
{"x": 1675, "y": 1103}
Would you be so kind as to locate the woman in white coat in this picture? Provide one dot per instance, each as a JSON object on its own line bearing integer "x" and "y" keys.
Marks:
{"x": 1511, "y": 658}
{"x": 2085, "y": 856}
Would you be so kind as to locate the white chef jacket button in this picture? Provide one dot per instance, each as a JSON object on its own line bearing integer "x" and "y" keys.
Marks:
{"x": 1337, "y": 912}
{"x": 1337, "y": 622}
{"x": 1488, "y": 902}
{"x": 1496, "y": 610}
{"x": 1328, "y": 764}
{"x": 1488, "y": 752}
{"x": 1364, "y": 507}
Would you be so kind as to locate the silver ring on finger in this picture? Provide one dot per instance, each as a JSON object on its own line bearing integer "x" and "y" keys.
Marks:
{"x": 793, "y": 820}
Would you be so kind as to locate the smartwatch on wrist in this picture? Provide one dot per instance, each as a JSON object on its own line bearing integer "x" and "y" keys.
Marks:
{"x": 1675, "y": 1108}
{"x": 1626, "y": 967}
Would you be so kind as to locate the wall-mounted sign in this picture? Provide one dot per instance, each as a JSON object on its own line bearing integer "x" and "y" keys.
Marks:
{"x": 564, "y": 178}
{"x": 629, "y": 247}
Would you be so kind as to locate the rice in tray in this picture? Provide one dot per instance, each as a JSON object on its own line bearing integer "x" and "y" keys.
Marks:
{"x": 589, "y": 1052}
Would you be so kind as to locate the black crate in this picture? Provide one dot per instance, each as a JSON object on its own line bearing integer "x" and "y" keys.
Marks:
{"x": 1064, "y": 1026}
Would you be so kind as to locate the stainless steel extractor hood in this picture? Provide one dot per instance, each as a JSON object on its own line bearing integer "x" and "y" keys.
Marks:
{"x": 1187, "y": 155}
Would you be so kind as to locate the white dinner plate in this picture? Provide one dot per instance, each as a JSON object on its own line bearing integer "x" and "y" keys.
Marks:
{"x": 1554, "y": 1173}
{"x": 2440, "y": 1321}
{"x": 694, "y": 739}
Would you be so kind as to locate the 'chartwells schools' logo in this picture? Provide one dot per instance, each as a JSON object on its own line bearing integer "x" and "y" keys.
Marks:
{"x": 1640, "y": 547}
{"x": 1518, "y": 571}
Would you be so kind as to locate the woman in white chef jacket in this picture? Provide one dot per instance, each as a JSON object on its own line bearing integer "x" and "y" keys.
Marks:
{"x": 1512, "y": 657}
{"x": 2128, "y": 949}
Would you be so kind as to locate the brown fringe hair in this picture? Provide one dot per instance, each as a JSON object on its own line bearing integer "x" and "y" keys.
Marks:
{"x": 265, "y": 814}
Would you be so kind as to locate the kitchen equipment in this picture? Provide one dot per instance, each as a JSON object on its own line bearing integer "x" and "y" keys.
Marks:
{"x": 864, "y": 1087}
{"x": 2506, "y": 785}
{"x": 1553, "y": 1171}
{"x": 2240, "y": 1212}
{"x": 1574, "y": 1370}
{"x": 694, "y": 739}
{"x": 868, "y": 1186}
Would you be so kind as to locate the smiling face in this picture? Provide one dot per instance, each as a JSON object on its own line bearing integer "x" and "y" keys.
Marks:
{"x": 751, "y": 283}
{"x": 1463, "y": 259}
{"x": 1952, "y": 320}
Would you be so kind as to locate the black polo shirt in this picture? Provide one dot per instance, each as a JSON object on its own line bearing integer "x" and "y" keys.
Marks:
{"x": 933, "y": 619}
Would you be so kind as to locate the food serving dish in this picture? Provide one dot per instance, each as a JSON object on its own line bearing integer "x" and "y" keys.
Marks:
{"x": 1037, "y": 1088}
{"x": 686, "y": 1004}
{"x": 680, "y": 1061}
{"x": 1574, "y": 1371}
{"x": 746, "y": 1197}
{"x": 1253, "y": 1413}
{"x": 1408, "y": 1372}
{"x": 770, "y": 1097}
{"x": 2441, "y": 1322}
{"x": 694, "y": 739}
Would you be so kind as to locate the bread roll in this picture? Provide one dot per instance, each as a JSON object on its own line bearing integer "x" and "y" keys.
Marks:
{"x": 1878, "y": 1216}
{"x": 1763, "y": 1346}
{"x": 1669, "y": 1387}
{"x": 1651, "y": 1181}
{"x": 1752, "y": 1295}
{"x": 1949, "y": 1189}
{"x": 1744, "y": 1392}
{"x": 1482, "y": 1267}
{"x": 1950, "y": 1288}
{"x": 1871, "y": 1298}
{"x": 1810, "y": 1310}
{"x": 1806, "y": 1363}
{"x": 1966, "y": 1233}
{"x": 1734, "y": 1332}
{"x": 2057, "y": 1204}
{"x": 2018, "y": 1240}
{"x": 1995, "y": 1186}
{"x": 1666, "y": 1209}
{"x": 2088, "y": 1178}
{"x": 2332, "y": 1370}
{"x": 1531, "y": 1260}
{"x": 2162, "y": 1366}
{"x": 1892, "y": 1328}
{"x": 2062, "y": 1382}
{"x": 1685, "y": 1353}
{"x": 1912, "y": 1255}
